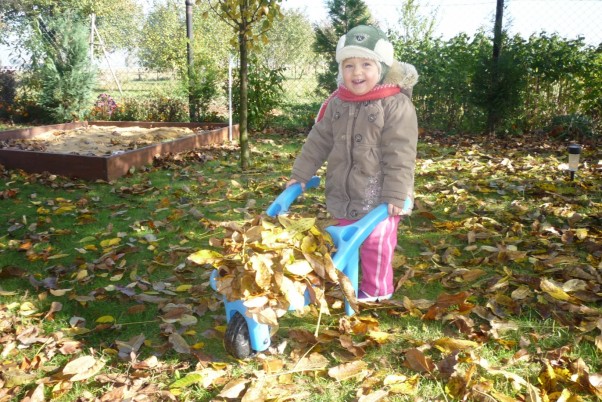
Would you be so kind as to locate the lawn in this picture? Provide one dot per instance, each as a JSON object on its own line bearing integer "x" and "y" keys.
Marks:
{"x": 498, "y": 274}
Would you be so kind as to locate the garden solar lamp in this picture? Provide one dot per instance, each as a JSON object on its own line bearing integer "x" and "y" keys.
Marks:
{"x": 574, "y": 152}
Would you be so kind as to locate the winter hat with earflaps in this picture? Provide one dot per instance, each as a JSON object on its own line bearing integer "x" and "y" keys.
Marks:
{"x": 371, "y": 43}
{"x": 366, "y": 42}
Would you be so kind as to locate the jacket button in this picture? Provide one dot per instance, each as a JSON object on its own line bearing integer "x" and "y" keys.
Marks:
{"x": 353, "y": 213}
{"x": 366, "y": 103}
{"x": 358, "y": 138}
{"x": 371, "y": 118}
{"x": 337, "y": 115}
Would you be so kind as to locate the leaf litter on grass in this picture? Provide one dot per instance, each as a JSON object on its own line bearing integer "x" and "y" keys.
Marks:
{"x": 513, "y": 247}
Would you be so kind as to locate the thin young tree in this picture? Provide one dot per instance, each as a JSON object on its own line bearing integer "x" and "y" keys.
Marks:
{"x": 250, "y": 20}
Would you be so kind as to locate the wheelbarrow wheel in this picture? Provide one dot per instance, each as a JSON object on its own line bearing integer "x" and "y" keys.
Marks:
{"x": 237, "y": 340}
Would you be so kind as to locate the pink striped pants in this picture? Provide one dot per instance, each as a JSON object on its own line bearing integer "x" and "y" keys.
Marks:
{"x": 376, "y": 256}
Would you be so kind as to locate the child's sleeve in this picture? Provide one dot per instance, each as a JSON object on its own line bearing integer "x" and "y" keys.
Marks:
{"x": 398, "y": 147}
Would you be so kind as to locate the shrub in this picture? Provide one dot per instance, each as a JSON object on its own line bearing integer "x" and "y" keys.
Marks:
{"x": 265, "y": 94}
{"x": 8, "y": 90}
{"x": 103, "y": 108}
{"x": 164, "y": 108}
{"x": 159, "y": 108}
{"x": 573, "y": 127}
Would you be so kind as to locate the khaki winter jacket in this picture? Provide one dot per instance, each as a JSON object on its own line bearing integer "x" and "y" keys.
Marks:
{"x": 369, "y": 148}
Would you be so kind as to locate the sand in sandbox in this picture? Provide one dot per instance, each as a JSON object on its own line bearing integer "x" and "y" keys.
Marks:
{"x": 97, "y": 140}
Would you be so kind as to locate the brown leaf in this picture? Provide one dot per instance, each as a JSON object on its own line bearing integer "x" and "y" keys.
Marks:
{"x": 357, "y": 369}
{"x": 234, "y": 388}
{"x": 178, "y": 343}
{"x": 348, "y": 290}
{"x": 83, "y": 368}
{"x": 417, "y": 361}
{"x": 256, "y": 392}
{"x": 132, "y": 345}
{"x": 313, "y": 362}
{"x": 376, "y": 396}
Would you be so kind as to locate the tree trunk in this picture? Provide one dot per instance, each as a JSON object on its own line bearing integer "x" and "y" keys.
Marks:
{"x": 493, "y": 117}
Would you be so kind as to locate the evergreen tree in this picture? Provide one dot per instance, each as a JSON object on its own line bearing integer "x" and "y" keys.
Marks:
{"x": 344, "y": 15}
{"x": 67, "y": 77}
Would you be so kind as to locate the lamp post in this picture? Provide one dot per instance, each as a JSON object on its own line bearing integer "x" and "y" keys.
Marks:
{"x": 574, "y": 152}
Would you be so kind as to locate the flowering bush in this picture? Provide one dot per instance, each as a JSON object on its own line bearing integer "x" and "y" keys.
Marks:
{"x": 157, "y": 108}
{"x": 103, "y": 108}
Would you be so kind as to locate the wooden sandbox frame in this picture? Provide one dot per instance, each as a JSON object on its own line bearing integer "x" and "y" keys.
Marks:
{"x": 109, "y": 167}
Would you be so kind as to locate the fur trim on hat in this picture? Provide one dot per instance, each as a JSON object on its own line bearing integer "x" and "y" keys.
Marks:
{"x": 403, "y": 75}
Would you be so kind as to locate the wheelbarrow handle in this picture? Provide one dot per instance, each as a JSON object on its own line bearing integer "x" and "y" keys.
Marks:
{"x": 282, "y": 203}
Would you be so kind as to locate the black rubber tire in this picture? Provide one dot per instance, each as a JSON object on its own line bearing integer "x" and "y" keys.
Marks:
{"x": 237, "y": 340}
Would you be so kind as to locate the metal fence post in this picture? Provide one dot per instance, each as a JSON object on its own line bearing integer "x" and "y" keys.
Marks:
{"x": 191, "y": 99}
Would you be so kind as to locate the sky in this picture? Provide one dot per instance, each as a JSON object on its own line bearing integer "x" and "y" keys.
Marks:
{"x": 568, "y": 18}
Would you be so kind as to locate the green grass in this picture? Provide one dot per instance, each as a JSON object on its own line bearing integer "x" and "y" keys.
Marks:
{"x": 479, "y": 228}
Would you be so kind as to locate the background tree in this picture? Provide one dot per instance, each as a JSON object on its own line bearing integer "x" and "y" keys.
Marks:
{"x": 116, "y": 19}
{"x": 290, "y": 44}
{"x": 162, "y": 43}
{"x": 413, "y": 27}
{"x": 243, "y": 16}
{"x": 67, "y": 76}
{"x": 344, "y": 15}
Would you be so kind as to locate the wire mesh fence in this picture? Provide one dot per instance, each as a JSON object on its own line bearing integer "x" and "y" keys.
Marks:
{"x": 569, "y": 19}
{"x": 123, "y": 76}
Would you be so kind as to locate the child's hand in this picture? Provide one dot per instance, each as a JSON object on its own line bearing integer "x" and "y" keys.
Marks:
{"x": 293, "y": 181}
{"x": 393, "y": 211}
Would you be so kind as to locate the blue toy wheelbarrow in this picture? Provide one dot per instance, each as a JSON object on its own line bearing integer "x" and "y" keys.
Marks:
{"x": 244, "y": 336}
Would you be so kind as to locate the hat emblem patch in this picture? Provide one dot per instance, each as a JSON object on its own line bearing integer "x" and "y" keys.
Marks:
{"x": 360, "y": 37}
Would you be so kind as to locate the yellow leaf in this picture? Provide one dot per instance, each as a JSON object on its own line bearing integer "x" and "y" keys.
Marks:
{"x": 205, "y": 257}
{"x": 448, "y": 345}
{"x": 581, "y": 233}
{"x": 309, "y": 244}
{"x": 183, "y": 288}
{"x": 105, "y": 319}
{"x": 63, "y": 210}
{"x": 299, "y": 268}
{"x": 552, "y": 288}
{"x": 379, "y": 336}
{"x": 296, "y": 225}
{"x": 59, "y": 292}
{"x": 110, "y": 242}
{"x": 116, "y": 278}
{"x": 27, "y": 308}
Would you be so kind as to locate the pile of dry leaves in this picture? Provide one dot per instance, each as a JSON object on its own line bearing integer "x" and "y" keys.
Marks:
{"x": 273, "y": 263}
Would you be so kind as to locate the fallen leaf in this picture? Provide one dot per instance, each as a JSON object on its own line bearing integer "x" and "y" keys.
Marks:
{"x": 356, "y": 369}
{"x": 418, "y": 361}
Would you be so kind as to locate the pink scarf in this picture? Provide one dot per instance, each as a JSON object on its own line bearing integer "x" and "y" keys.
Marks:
{"x": 378, "y": 92}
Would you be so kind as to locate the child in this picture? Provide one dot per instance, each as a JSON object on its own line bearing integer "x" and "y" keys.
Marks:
{"x": 366, "y": 131}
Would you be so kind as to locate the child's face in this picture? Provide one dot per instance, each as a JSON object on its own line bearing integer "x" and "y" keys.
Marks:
{"x": 360, "y": 75}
